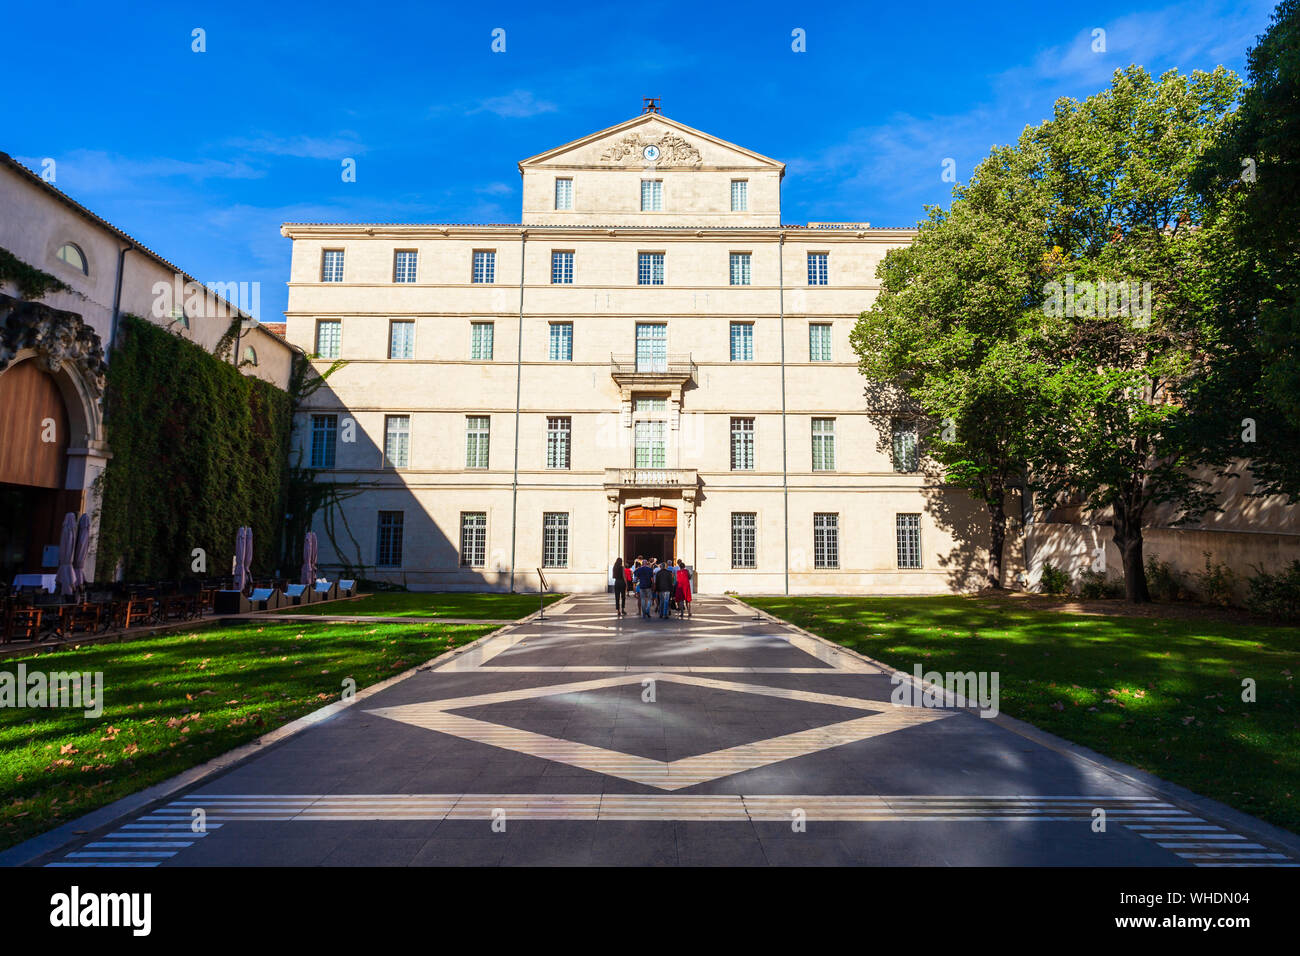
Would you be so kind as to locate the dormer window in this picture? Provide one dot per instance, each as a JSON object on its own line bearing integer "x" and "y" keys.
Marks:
{"x": 71, "y": 253}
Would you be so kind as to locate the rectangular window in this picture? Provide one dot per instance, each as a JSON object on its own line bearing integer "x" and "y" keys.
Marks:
{"x": 650, "y": 268}
{"x": 473, "y": 539}
{"x": 744, "y": 551}
{"x": 401, "y": 340}
{"x": 905, "y": 457}
{"x": 651, "y": 347}
{"x": 404, "y": 262}
{"x": 331, "y": 265}
{"x": 564, "y": 194}
{"x": 561, "y": 342}
{"x": 823, "y": 444}
{"x": 559, "y": 434}
{"x": 652, "y": 195}
{"x": 397, "y": 440}
{"x": 388, "y": 554}
{"x": 739, "y": 195}
{"x": 819, "y": 342}
{"x": 650, "y": 449}
{"x": 562, "y": 268}
{"x": 477, "y": 435}
{"x": 649, "y": 404}
{"x": 555, "y": 539}
{"x": 485, "y": 265}
{"x": 818, "y": 268}
{"x": 740, "y": 268}
{"x": 742, "y": 341}
{"x": 480, "y": 341}
{"x": 324, "y": 438}
{"x": 742, "y": 444}
{"x": 908, "y": 529}
{"x": 329, "y": 336}
{"x": 826, "y": 541}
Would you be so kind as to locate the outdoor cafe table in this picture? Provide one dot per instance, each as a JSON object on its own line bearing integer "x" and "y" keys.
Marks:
{"x": 46, "y": 581}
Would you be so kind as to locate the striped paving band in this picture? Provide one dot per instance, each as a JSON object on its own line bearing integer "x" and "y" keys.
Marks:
{"x": 622, "y": 806}
{"x": 165, "y": 832}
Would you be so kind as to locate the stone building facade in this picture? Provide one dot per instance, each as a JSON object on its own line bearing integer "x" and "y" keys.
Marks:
{"x": 649, "y": 363}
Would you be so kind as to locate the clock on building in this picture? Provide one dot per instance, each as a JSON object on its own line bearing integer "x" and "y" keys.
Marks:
{"x": 651, "y": 152}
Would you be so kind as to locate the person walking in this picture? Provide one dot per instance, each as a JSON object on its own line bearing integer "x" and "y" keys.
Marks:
{"x": 645, "y": 582}
{"x": 620, "y": 588}
{"x": 654, "y": 587}
{"x": 683, "y": 594}
{"x": 665, "y": 582}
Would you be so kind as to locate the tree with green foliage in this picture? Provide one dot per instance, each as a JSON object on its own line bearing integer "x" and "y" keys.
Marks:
{"x": 1125, "y": 328}
{"x": 1248, "y": 403}
{"x": 1056, "y": 308}
{"x": 945, "y": 339}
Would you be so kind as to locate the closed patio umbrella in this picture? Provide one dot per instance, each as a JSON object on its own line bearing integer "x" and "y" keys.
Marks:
{"x": 241, "y": 572}
{"x": 309, "y": 558}
{"x": 248, "y": 554}
{"x": 81, "y": 550}
{"x": 66, "y": 577}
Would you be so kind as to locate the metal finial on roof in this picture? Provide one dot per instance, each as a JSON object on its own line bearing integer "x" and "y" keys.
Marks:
{"x": 651, "y": 104}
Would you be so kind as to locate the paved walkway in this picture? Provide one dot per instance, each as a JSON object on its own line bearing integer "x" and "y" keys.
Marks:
{"x": 726, "y": 739}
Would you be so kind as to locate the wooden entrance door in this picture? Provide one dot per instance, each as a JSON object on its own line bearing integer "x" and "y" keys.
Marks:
{"x": 650, "y": 532}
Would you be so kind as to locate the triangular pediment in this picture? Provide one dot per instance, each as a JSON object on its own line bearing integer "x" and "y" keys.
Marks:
{"x": 678, "y": 145}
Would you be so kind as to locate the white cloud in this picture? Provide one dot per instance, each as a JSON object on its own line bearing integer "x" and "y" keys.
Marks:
{"x": 302, "y": 147}
{"x": 95, "y": 171}
{"x": 516, "y": 105}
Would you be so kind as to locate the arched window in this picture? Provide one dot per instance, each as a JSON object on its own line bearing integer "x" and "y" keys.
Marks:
{"x": 71, "y": 253}
{"x": 250, "y": 355}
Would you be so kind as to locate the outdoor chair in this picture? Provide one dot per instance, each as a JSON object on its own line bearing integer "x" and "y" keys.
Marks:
{"x": 21, "y": 622}
{"x": 132, "y": 612}
{"x": 85, "y": 617}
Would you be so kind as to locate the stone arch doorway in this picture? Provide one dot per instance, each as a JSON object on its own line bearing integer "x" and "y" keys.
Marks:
{"x": 650, "y": 532}
{"x": 36, "y": 432}
{"x": 52, "y": 448}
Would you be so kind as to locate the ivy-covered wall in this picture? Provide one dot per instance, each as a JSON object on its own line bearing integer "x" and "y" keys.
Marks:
{"x": 198, "y": 450}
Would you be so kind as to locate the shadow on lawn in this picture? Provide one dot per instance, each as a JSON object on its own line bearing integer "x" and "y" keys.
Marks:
{"x": 1162, "y": 694}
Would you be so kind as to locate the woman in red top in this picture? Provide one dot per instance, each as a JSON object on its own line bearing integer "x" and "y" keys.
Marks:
{"x": 683, "y": 594}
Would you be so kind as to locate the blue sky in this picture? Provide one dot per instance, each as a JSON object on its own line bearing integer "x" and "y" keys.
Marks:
{"x": 201, "y": 156}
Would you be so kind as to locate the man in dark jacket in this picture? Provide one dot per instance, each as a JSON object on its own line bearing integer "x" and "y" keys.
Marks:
{"x": 665, "y": 582}
{"x": 644, "y": 578}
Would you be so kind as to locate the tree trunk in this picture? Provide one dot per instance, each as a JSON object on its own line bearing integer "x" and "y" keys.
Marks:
{"x": 998, "y": 536}
{"x": 1128, "y": 538}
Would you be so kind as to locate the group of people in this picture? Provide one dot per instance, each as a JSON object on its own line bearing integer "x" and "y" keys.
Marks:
{"x": 660, "y": 587}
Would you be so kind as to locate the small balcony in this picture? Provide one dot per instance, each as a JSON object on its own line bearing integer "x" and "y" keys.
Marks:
{"x": 651, "y": 478}
{"x": 629, "y": 371}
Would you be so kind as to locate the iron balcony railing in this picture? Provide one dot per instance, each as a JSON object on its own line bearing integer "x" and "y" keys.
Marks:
{"x": 669, "y": 366}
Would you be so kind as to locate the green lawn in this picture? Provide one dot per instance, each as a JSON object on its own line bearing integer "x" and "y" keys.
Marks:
{"x": 424, "y": 604}
{"x": 1161, "y": 694}
{"x": 173, "y": 701}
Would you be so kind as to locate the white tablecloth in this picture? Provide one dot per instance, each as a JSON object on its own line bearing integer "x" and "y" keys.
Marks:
{"x": 46, "y": 581}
